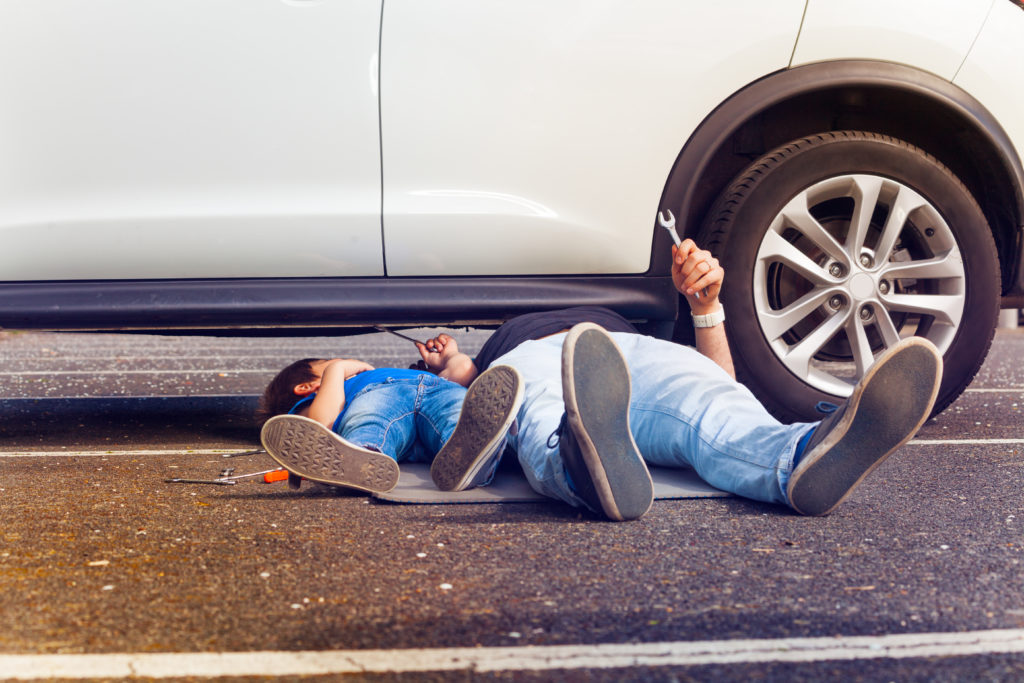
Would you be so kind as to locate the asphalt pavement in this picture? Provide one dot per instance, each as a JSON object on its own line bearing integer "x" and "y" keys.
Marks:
{"x": 99, "y": 556}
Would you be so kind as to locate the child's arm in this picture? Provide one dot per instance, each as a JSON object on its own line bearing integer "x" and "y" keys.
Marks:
{"x": 447, "y": 361}
{"x": 330, "y": 395}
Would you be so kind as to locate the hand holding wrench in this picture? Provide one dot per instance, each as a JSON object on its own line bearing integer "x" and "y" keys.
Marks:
{"x": 669, "y": 224}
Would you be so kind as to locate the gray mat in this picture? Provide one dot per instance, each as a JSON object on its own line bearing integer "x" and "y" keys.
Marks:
{"x": 510, "y": 486}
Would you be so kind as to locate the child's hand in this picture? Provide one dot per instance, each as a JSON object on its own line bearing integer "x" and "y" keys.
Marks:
{"x": 697, "y": 275}
{"x": 444, "y": 348}
{"x": 349, "y": 367}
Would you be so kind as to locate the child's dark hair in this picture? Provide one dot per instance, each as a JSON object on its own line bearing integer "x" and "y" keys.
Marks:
{"x": 279, "y": 396}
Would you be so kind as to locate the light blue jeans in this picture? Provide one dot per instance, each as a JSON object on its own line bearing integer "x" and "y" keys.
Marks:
{"x": 685, "y": 411}
{"x": 408, "y": 419}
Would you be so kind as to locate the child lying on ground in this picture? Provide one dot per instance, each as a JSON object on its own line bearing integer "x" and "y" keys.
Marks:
{"x": 339, "y": 421}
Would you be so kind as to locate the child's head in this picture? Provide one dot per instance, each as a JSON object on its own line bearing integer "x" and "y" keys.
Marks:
{"x": 279, "y": 396}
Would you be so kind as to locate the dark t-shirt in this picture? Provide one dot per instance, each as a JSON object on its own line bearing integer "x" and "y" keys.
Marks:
{"x": 536, "y": 325}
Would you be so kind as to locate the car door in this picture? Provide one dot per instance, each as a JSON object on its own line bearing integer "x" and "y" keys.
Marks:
{"x": 189, "y": 139}
{"x": 535, "y": 138}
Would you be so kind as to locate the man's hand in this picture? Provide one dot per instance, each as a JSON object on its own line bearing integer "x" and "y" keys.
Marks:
{"x": 698, "y": 276}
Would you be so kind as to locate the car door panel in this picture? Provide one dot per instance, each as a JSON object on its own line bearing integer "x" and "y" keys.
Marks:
{"x": 189, "y": 138}
{"x": 535, "y": 137}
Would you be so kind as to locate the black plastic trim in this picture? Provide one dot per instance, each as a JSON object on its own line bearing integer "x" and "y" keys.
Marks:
{"x": 321, "y": 303}
{"x": 715, "y": 132}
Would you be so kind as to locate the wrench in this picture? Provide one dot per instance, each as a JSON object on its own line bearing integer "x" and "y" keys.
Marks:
{"x": 229, "y": 480}
{"x": 216, "y": 482}
{"x": 381, "y": 328}
{"x": 669, "y": 224}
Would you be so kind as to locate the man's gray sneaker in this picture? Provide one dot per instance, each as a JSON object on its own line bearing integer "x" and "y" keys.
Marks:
{"x": 597, "y": 448}
{"x": 310, "y": 450}
{"x": 471, "y": 455}
{"x": 886, "y": 409}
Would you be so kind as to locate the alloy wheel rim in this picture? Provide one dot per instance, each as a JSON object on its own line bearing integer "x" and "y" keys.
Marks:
{"x": 849, "y": 266}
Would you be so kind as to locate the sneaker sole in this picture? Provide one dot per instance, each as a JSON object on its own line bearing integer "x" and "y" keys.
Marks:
{"x": 597, "y": 410}
{"x": 307, "y": 448}
{"x": 884, "y": 412}
{"x": 490, "y": 406}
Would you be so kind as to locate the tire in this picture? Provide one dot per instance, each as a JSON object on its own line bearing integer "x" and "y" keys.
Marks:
{"x": 811, "y": 302}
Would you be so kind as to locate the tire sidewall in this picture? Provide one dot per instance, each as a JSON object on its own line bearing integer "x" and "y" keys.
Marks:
{"x": 746, "y": 211}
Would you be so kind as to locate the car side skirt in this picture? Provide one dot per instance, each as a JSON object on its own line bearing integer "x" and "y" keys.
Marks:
{"x": 322, "y": 303}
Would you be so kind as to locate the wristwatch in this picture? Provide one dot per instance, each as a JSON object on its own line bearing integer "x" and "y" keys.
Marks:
{"x": 709, "y": 319}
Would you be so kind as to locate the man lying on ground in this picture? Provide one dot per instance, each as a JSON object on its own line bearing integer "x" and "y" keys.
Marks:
{"x": 602, "y": 401}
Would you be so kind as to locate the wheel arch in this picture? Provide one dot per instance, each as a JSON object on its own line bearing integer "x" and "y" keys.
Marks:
{"x": 881, "y": 97}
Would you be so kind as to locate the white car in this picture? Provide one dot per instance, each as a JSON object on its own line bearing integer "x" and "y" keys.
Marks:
{"x": 234, "y": 164}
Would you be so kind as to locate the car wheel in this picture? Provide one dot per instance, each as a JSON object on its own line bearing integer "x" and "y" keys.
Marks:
{"x": 837, "y": 245}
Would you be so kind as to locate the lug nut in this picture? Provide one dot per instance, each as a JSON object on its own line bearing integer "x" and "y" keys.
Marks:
{"x": 883, "y": 286}
{"x": 865, "y": 260}
{"x": 865, "y": 313}
{"x": 835, "y": 270}
{"x": 836, "y": 302}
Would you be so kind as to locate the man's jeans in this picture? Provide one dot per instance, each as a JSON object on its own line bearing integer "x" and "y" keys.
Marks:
{"x": 408, "y": 419}
{"x": 685, "y": 411}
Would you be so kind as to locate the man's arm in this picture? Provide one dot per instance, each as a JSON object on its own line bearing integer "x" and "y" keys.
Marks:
{"x": 698, "y": 277}
{"x": 446, "y": 361}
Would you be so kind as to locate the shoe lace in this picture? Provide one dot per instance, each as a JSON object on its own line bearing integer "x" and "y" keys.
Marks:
{"x": 826, "y": 408}
{"x": 556, "y": 436}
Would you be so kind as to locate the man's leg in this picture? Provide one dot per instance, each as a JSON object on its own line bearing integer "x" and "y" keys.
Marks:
{"x": 540, "y": 416}
{"x": 700, "y": 417}
{"x": 545, "y": 430}
{"x": 687, "y": 412}
{"x": 598, "y": 451}
{"x": 886, "y": 408}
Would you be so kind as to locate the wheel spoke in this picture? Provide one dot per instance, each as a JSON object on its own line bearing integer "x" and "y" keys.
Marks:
{"x": 946, "y": 309}
{"x": 866, "y": 200}
{"x": 906, "y": 201}
{"x": 798, "y": 357}
{"x": 797, "y": 215}
{"x": 776, "y": 249}
{"x": 859, "y": 344}
{"x": 886, "y": 327}
{"x": 777, "y": 323}
{"x": 945, "y": 266}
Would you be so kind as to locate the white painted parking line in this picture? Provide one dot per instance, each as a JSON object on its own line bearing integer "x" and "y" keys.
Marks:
{"x": 97, "y": 454}
{"x": 221, "y": 452}
{"x": 527, "y": 658}
{"x": 1002, "y": 390}
{"x": 101, "y": 373}
{"x": 965, "y": 442}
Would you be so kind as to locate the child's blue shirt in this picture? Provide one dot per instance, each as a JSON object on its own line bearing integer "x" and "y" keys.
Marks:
{"x": 356, "y": 383}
